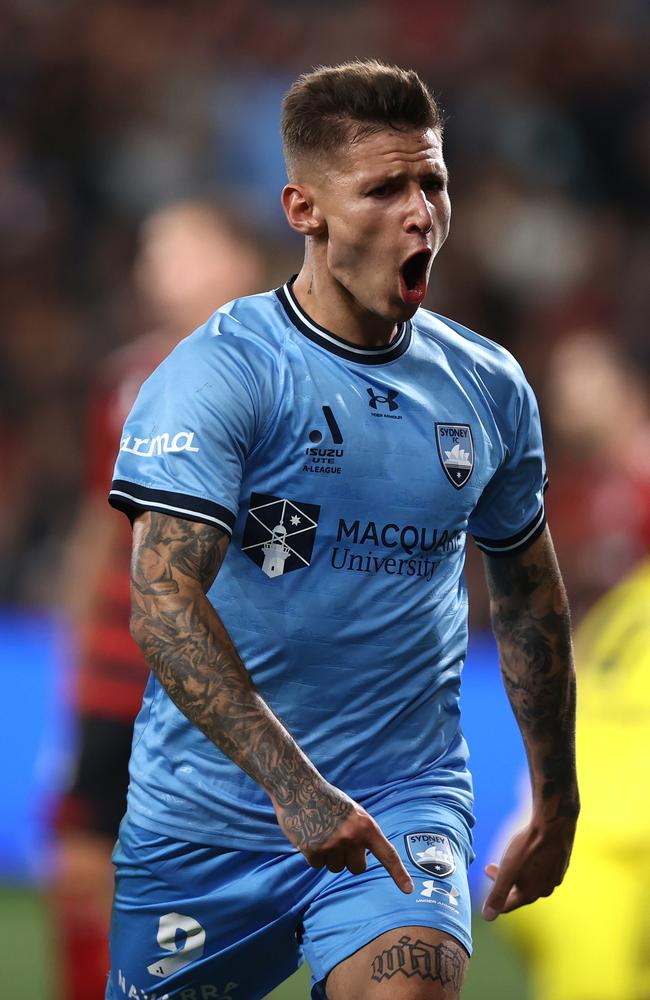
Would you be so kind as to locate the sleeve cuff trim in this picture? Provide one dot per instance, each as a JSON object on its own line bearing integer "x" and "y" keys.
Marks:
{"x": 521, "y": 540}
{"x": 126, "y": 496}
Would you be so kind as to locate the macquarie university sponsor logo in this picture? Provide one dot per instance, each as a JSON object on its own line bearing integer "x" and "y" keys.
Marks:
{"x": 372, "y": 547}
{"x": 431, "y": 852}
{"x": 279, "y": 534}
{"x": 160, "y": 444}
{"x": 456, "y": 452}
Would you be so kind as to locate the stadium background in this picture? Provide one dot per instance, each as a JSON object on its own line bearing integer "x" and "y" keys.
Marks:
{"x": 110, "y": 109}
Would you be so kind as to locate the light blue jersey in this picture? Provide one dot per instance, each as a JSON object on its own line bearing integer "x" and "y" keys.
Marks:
{"x": 348, "y": 478}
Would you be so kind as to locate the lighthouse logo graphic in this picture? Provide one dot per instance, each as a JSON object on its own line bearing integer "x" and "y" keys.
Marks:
{"x": 279, "y": 534}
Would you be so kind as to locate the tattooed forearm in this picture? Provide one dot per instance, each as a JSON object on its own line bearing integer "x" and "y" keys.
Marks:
{"x": 530, "y": 618}
{"x": 185, "y": 643}
{"x": 444, "y": 963}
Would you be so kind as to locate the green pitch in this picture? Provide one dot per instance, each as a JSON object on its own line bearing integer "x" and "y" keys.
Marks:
{"x": 29, "y": 968}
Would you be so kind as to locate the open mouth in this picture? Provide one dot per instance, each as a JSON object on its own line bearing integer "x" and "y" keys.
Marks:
{"x": 413, "y": 277}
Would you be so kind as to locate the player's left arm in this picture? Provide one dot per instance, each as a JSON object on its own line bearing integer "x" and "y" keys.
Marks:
{"x": 530, "y": 619}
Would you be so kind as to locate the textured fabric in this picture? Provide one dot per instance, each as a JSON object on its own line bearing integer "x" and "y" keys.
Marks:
{"x": 348, "y": 479}
{"x": 193, "y": 921}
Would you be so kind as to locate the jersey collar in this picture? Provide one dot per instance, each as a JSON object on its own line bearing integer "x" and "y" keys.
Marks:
{"x": 336, "y": 345}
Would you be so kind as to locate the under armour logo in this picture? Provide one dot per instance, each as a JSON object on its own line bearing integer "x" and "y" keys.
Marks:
{"x": 429, "y": 887}
{"x": 389, "y": 399}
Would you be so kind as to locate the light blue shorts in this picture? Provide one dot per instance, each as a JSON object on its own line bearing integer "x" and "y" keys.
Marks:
{"x": 204, "y": 923}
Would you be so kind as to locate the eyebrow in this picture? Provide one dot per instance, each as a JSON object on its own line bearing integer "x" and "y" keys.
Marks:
{"x": 438, "y": 173}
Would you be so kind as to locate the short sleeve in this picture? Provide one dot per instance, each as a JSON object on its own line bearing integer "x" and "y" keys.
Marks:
{"x": 194, "y": 422}
{"x": 510, "y": 515}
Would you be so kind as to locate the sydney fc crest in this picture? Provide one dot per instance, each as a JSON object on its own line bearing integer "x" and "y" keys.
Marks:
{"x": 456, "y": 452}
{"x": 279, "y": 534}
{"x": 431, "y": 852}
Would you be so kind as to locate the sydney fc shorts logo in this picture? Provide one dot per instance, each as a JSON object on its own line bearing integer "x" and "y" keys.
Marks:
{"x": 456, "y": 452}
{"x": 431, "y": 852}
{"x": 279, "y": 534}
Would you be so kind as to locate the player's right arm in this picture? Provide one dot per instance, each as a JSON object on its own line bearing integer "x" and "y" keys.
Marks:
{"x": 175, "y": 561}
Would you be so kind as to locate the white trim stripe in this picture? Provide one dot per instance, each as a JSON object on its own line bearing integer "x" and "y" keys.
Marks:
{"x": 515, "y": 545}
{"x": 373, "y": 353}
{"x": 155, "y": 505}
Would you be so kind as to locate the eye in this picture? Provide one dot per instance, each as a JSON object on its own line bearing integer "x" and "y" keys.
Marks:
{"x": 434, "y": 184}
{"x": 381, "y": 191}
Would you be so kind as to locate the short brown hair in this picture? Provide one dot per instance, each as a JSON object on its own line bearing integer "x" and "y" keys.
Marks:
{"x": 334, "y": 105}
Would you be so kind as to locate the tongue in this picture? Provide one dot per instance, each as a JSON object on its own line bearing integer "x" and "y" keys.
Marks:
{"x": 414, "y": 294}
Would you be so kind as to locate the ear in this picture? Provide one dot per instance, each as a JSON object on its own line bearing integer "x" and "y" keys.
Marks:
{"x": 301, "y": 210}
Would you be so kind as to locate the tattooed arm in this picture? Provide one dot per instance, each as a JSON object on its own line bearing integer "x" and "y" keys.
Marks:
{"x": 187, "y": 646}
{"x": 530, "y": 619}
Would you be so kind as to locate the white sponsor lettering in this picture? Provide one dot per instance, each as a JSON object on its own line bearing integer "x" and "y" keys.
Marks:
{"x": 136, "y": 991}
{"x": 160, "y": 444}
{"x": 204, "y": 991}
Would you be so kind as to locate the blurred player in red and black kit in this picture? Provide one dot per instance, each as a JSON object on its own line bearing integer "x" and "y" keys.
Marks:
{"x": 192, "y": 258}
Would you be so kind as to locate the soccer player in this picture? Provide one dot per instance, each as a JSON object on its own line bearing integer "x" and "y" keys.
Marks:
{"x": 191, "y": 255}
{"x": 302, "y": 473}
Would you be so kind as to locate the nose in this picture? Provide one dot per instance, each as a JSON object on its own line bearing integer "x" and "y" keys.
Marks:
{"x": 419, "y": 218}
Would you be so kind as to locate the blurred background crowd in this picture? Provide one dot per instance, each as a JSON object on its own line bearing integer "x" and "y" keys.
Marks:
{"x": 111, "y": 109}
{"x": 140, "y": 156}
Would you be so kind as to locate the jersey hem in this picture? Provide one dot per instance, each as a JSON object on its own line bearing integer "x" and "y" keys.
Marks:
{"x": 133, "y": 498}
{"x": 460, "y": 822}
{"x": 188, "y": 835}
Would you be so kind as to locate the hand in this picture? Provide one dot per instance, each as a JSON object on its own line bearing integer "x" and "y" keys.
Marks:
{"x": 333, "y": 831}
{"x": 533, "y": 864}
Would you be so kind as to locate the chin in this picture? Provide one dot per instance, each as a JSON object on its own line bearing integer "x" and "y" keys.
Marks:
{"x": 408, "y": 311}
{"x": 400, "y": 311}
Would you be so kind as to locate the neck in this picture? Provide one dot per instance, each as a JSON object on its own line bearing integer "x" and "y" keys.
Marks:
{"x": 328, "y": 303}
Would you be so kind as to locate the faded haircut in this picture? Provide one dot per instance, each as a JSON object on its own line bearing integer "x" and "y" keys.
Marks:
{"x": 334, "y": 106}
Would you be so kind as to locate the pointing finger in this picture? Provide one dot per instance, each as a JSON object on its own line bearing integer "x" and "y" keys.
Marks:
{"x": 390, "y": 859}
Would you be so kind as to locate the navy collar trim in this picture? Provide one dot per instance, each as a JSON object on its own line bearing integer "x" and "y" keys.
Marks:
{"x": 336, "y": 345}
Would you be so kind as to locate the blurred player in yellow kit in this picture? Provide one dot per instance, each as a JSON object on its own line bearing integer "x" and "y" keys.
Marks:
{"x": 591, "y": 939}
